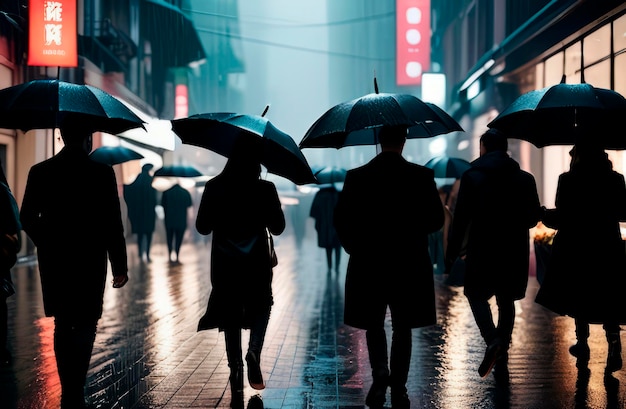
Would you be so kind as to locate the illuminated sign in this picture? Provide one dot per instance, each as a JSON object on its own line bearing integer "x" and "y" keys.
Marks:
{"x": 181, "y": 102}
{"x": 52, "y": 36}
{"x": 412, "y": 41}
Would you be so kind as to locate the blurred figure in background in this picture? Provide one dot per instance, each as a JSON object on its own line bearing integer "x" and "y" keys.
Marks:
{"x": 322, "y": 210}
{"x": 176, "y": 202}
{"x": 141, "y": 200}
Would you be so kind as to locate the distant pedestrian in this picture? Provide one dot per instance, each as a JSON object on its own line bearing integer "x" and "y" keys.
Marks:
{"x": 176, "y": 202}
{"x": 586, "y": 274}
{"x": 71, "y": 211}
{"x": 238, "y": 207}
{"x": 141, "y": 200}
{"x": 322, "y": 210}
{"x": 497, "y": 204}
{"x": 10, "y": 244}
{"x": 385, "y": 212}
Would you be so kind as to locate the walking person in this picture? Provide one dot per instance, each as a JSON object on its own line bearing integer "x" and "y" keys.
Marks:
{"x": 322, "y": 210}
{"x": 586, "y": 274}
{"x": 384, "y": 214}
{"x": 10, "y": 245}
{"x": 238, "y": 207}
{"x": 71, "y": 211}
{"x": 176, "y": 202}
{"x": 141, "y": 200}
{"x": 496, "y": 206}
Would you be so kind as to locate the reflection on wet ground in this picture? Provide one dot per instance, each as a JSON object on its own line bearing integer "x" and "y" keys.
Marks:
{"x": 148, "y": 353}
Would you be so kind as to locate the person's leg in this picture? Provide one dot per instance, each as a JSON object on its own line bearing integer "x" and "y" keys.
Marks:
{"x": 232, "y": 338}
{"x": 329, "y": 258}
{"x": 169, "y": 238}
{"x": 179, "y": 234}
{"x": 5, "y": 356}
{"x": 401, "y": 343}
{"x": 614, "y": 357}
{"x": 484, "y": 320}
{"x": 581, "y": 349}
{"x": 148, "y": 243}
{"x": 377, "y": 349}
{"x": 506, "y": 320}
{"x": 337, "y": 257}
{"x": 255, "y": 346}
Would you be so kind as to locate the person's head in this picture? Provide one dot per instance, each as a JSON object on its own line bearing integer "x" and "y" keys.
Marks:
{"x": 392, "y": 138}
{"x": 493, "y": 140}
{"x": 76, "y": 136}
{"x": 245, "y": 157}
{"x": 588, "y": 152}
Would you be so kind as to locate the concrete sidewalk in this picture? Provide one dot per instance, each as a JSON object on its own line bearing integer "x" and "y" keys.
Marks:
{"x": 148, "y": 353}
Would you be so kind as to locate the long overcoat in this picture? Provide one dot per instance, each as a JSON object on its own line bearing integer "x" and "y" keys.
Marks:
{"x": 238, "y": 216}
{"x": 383, "y": 217}
{"x": 586, "y": 274}
{"x": 496, "y": 206}
{"x": 71, "y": 211}
{"x": 141, "y": 200}
{"x": 322, "y": 210}
{"x": 175, "y": 201}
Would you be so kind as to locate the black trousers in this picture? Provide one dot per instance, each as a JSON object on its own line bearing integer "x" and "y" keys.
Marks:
{"x": 398, "y": 367}
{"x": 484, "y": 319}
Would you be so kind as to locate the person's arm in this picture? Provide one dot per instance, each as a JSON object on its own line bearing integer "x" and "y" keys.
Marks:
{"x": 203, "y": 217}
{"x": 116, "y": 243}
{"x": 276, "y": 223}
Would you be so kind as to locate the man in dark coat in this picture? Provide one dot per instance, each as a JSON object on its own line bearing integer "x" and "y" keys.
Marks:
{"x": 71, "y": 211}
{"x": 141, "y": 200}
{"x": 175, "y": 201}
{"x": 384, "y": 214}
{"x": 496, "y": 206}
{"x": 322, "y": 210}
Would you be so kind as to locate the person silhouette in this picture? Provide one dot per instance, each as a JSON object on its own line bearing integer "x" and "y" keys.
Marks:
{"x": 141, "y": 200}
{"x": 238, "y": 208}
{"x": 385, "y": 212}
{"x": 175, "y": 201}
{"x": 10, "y": 245}
{"x": 322, "y": 210}
{"x": 71, "y": 212}
{"x": 494, "y": 192}
{"x": 586, "y": 272}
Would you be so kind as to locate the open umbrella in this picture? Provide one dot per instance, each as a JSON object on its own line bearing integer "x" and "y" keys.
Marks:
{"x": 114, "y": 155}
{"x": 218, "y": 132}
{"x": 181, "y": 171}
{"x": 356, "y": 122}
{"x": 562, "y": 114}
{"x": 448, "y": 166}
{"x": 330, "y": 174}
{"x": 43, "y": 104}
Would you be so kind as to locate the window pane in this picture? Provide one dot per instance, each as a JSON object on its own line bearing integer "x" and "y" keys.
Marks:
{"x": 597, "y": 45}
{"x": 599, "y": 75}
{"x": 620, "y": 79}
{"x": 572, "y": 63}
{"x": 554, "y": 69}
{"x": 619, "y": 34}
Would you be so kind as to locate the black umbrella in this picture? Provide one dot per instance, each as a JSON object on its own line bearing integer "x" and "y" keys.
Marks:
{"x": 218, "y": 132}
{"x": 356, "y": 122}
{"x": 562, "y": 114}
{"x": 330, "y": 174}
{"x": 114, "y": 155}
{"x": 448, "y": 166}
{"x": 44, "y": 104}
{"x": 181, "y": 171}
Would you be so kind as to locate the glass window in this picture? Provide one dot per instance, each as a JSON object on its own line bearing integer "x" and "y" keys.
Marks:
{"x": 554, "y": 69}
{"x": 572, "y": 63}
{"x": 620, "y": 79}
{"x": 597, "y": 45}
{"x": 619, "y": 34}
{"x": 539, "y": 76}
{"x": 599, "y": 75}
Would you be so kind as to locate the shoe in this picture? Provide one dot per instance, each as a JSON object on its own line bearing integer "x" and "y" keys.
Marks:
{"x": 236, "y": 387}
{"x": 492, "y": 352}
{"x": 400, "y": 399}
{"x": 580, "y": 350}
{"x": 377, "y": 394}
{"x": 501, "y": 369}
{"x": 255, "y": 376}
{"x": 614, "y": 358}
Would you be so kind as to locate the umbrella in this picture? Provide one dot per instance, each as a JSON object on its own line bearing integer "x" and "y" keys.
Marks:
{"x": 181, "y": 171}
{"x": 113, "y": 155}
{"x": 218, "y": 132}
{"x": 448, "y": 166}
{"x": 563, "y": 113}
{"x": 330, "y": 174}
{"x": 355, "y": 122}
{"x": 42, "y": 104}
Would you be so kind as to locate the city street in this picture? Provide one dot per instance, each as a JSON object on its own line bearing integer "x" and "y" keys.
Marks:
{"x": 148, "y": 353}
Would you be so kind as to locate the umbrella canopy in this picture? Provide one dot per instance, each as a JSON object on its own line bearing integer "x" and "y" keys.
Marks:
{"x": 181, "y": 171}
{"x": 114, "y": 155}
{"x": 448, "y": 166}
{"x": 42, "y": 104}
{"x": 562, "y": 114}
{"x": 330, "y": 174}
{"x": 356, "y": 122}
{"x": 218, "y": 132}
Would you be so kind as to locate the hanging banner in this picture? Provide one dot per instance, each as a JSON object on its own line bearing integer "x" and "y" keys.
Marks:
{"x": 412, "y": 41}
{"x": 52, "y": 35}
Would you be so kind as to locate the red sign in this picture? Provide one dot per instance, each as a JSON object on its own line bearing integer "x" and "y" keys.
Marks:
{"x": 412, "y": 41}
{"x": 52, "y": 36}
{"x": 181, "y": 103}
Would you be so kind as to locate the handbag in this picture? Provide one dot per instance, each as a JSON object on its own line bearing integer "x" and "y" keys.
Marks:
{"x": 273, "y": 258}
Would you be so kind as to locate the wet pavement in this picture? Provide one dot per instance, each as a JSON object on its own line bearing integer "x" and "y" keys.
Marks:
{"x": 148, "y": 353}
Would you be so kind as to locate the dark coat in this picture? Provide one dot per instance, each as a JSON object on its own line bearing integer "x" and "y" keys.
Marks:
{"x": 322, "y": 210}
{"x": 175, "y": 201}
{"x": 71, "y": 211}
{"x": 241, "y": 283}
{"x": 496, "y": 206}
{"x": 383, "y": 217}
{"x": 10, "y": 241}
{"x": 586, "y": 275}
{"x": 141, "y": 200}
